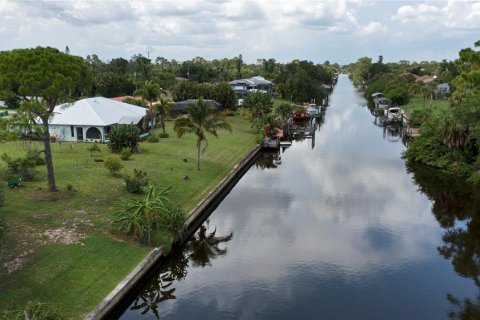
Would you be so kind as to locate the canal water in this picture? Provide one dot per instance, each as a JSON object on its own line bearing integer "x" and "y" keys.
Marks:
{"x": 334, "y": 227}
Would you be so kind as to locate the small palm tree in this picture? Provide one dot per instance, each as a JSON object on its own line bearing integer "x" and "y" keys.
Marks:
{"x": 150, "y": 91}
{"x": 200, "y": 121}
{"x": 162, "y": 107}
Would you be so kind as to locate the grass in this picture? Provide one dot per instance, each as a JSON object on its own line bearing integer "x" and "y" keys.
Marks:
{"x": 75, "y": 277}
{"x": 417, "y": 103}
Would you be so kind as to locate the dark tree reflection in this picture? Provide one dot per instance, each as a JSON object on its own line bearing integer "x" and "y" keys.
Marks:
{"x": 160, "y": 287}
{"x": 205, "y": 246}
{"x": 198, "y": 251}
{"x": 456, "y": 207}
{"x": 268, "y": 160}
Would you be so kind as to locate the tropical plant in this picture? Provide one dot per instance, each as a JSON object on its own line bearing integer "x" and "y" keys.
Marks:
{"x": 113, "y": 165}
{"x": 150, "y": 91}
{"x": 200, "y": 121}
{"x": 259, "y": 103}
{"x": 162, "y": 107}
{"x": 51, "y": 77}
{"x": 283, "y": 111}
{"x": 124, "y": 136}
{"x": 141, "y": 217}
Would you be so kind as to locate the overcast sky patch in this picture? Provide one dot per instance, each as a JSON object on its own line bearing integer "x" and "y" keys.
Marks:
{"x": 317, "y": 30}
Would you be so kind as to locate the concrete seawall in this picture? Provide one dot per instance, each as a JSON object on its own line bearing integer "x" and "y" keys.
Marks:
{"x": 196, "y": 217}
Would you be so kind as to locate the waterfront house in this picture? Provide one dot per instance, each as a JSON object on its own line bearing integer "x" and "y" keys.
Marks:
{"x": 92, "y": 119}
{"x": 244, "y": 86}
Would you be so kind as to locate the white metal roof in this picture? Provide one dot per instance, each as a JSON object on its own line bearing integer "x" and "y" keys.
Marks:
{"x": 96, "y": 111}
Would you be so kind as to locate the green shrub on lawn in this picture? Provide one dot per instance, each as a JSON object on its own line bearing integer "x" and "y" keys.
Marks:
{"x": 113, "y": 165}
{"x": 125, "y": 154}
{"x": 134, "y": 184}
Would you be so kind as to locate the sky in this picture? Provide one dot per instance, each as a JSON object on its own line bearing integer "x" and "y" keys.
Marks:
{"x": 340, "y": 31}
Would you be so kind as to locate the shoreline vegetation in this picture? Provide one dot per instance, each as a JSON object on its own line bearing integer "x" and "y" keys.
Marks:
{"x": 62, "y": 249}
{"x": 441, "y": 99}
{"x": 60, "y": 239}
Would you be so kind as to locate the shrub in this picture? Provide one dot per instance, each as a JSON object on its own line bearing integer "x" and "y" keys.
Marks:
{"x": 69, "y": 187}
{"x": 173, "y": 221}
{"x": 36, "y": 156}
{"x": 134, "y": 184}
{"x": 152, "y": 139}
{"x": 124, "y": 136}
{"x": 163, "y": 135}
{"x": 113, "y": 165}
{"x": 12, "y": 314}
{"x": 23, "y": 166}
{"x": 125, "y": 154}
{"x": 93, "y": 148}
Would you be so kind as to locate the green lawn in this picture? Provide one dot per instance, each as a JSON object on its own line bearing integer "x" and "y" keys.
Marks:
{"x": 417, "y": 103}
{"x": 75, "y": 277}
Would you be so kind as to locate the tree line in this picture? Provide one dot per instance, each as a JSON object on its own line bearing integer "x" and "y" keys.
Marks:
{"x": 449, "y": 138}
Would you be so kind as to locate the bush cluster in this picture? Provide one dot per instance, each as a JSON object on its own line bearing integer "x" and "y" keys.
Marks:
{"x": 153, "y": 139}
{"x": 163, "y": 135}
{"x": 134, "y": 184}
{"x": 124, "y": 136}
{"x": 113, "y": 165}
{"x": 23, "y": 166}
{"x": 125, "y": 154}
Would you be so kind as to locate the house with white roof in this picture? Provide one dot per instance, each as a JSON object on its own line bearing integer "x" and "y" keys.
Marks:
{"x": 92, "y": 119}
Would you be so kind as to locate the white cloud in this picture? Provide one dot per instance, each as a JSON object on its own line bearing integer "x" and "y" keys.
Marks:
{"x": 450, "y": 17}
{"x": 373, "y": 28}
{"x": 318, "y": 30}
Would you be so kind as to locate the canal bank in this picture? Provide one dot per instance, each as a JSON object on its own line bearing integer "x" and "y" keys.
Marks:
{"x": 197, "y": 216}
{"x": 334, "y": 227}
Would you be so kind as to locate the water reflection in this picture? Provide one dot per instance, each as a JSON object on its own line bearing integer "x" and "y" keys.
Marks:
{"x": 456, "y": 207}
{"x": 269, "y": 159}
{"x": 205, "y": 246}
{"x": 335, "y": 232}
{"x": 199, "y": 251}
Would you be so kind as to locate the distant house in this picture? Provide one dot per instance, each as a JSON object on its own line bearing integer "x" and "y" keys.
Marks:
{"x": 442, "y": 90}
{"x": 180, "y": 107}
{"x": 92, "y": 119}
{"x": 244, "y": 86}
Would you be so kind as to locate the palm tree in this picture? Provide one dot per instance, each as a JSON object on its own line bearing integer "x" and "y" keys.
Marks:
{"x": 150, "y": 91}
{"x": 260, "y": 103}
{"x": 162, "y": 107}
{"x": 200, "y": 121}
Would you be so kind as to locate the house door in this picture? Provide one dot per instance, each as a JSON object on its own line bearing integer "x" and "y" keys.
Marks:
{"x": 79, "y": 134}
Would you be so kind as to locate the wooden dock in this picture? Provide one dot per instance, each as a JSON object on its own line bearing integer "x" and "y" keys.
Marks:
{"x": 409, "y": 132}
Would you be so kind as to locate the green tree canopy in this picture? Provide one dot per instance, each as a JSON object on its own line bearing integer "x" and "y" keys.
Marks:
{"x": 44, "y": 77}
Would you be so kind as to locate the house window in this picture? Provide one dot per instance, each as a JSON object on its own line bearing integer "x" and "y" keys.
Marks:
{"x": 72, "y": 132}
{"x": 94, "y": 133}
